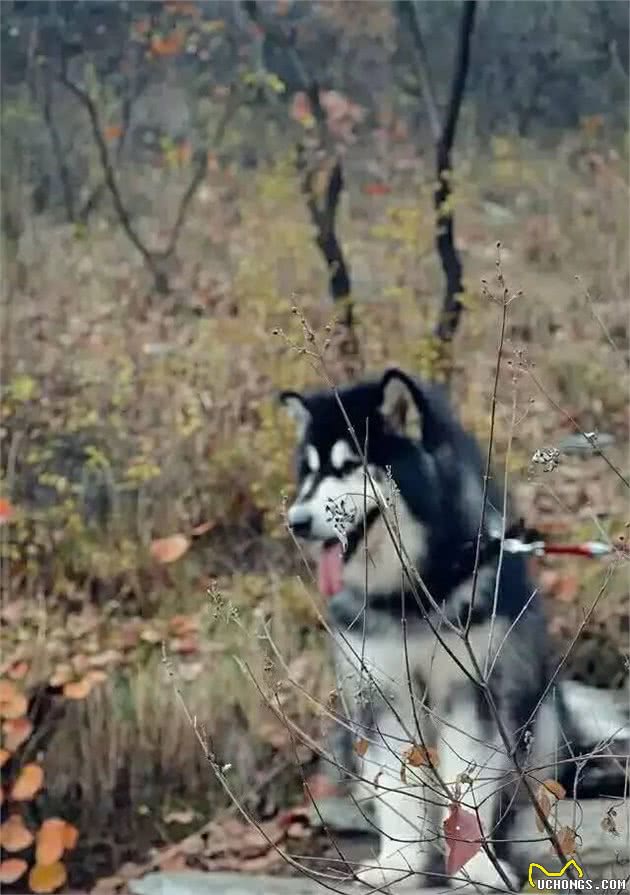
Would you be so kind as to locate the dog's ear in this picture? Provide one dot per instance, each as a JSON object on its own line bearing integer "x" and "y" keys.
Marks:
{"x": 399, "y": 404}
{"x": 295, "y": 406}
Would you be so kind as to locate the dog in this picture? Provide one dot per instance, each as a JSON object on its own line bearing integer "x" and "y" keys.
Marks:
{"x": 443, "y": 666}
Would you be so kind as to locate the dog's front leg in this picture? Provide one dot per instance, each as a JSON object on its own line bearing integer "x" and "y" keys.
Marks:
{"x": 400, "y": 807}
{"x": 474, "y": 766}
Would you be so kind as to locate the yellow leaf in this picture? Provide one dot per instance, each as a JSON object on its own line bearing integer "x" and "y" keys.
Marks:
{"x": 361, "y": 747}
{"x": 5, "y": 755}
{"x": 47, "y": 878}
{"x": 166, "y": 550}
{"x": 28, "y": 783}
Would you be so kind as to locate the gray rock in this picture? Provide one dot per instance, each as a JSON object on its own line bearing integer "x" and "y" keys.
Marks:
{"x": 198, "y": 883}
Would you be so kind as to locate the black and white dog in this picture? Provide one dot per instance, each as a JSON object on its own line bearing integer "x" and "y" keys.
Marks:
{"x": 389, "y": 497}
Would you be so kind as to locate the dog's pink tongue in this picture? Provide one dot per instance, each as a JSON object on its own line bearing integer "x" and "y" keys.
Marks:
{"x": 330, "y": 570}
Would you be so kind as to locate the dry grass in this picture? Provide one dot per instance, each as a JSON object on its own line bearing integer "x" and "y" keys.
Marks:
{"x": 163, "y": 414}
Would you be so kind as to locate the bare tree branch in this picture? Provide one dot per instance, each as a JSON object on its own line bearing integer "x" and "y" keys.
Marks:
{"x": 445, "y": 241}
{"x": 58, "y": 152}
{"x": 154, "y": 261}
{"x": 444, "y": 136}
{"x": 323, "y": 208}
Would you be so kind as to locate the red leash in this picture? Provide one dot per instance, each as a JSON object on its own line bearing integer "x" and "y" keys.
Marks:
{"x": 590, "y": 549}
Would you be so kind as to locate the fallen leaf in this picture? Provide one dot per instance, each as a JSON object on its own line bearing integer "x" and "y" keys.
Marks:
{"x": 48, "y": 878}
{"x": 7, "y": 510}
{"x": 78, "y": 689}
{"x": 70, "y": 836}
{"x": 566, "y": 838}
{"x": 28, "y": 783}
{"x": 202, "y": 529}
{"x": 166, "y": 550}
{"x": 18, "y": 671}
{"x": 463, "y": 837}
{"x": 376, "y": 189}
{"x": 50, "y": 841}
{"x": 96, "y": 676}
{"x": 107, "y": 885}
{"x": 14, "y": 835}
{"x": 361, "y": 747}
{"x": 5, "y": 755}
{"x": 174, "y": 862}
{"x": 16, "y": 731}
{"x": 112, "y": 132}
{"x": 11, "y": 870}
{"x": 417, "y": 756}
{"x": 179, "y": 817}
{"x": 185, "y": 646}
{"x": 179, "y": 625}
{"x": 61, "y": 675}
{"x": 13, "y": 704}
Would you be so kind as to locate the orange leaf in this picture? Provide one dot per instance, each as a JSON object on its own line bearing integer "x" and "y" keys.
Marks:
{"x": 16, "y": 731}
{"x": 11, "y": 870}
{"x": 417, "y": 756}
{"x": 5, "y": 755}
{"x": 13, "y": 704}
{"x": 167, "y": 46}
{"x": 567, "y": 837}
{"x": 548, "y": 794}
{"x": 18, "y": 671}
{"x": 49, "y": 840}
{"x": 6, "y": 510}
{"x": 202, "y": 529}
{"x": 167, "y": 550}
{"x": 14, "y": 836}
{"x": 47, "y": 878}
{"x": 77, "y": 689}
{"x": 28, "y": 783}
{"x": 112, "y": 132}
{"x": 70, "y": 836}
{"x": 361, "y": 747}
{"x": 376, "y": 189}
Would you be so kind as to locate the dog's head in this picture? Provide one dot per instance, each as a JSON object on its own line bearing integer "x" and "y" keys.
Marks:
{"x": 385, "y": 434}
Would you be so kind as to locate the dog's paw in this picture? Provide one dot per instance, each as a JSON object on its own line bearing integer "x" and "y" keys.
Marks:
{"x": 483, "y": 873}
{"x": 389, "y": 874}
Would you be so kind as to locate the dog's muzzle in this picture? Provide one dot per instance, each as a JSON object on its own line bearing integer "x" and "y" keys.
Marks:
{"x": 300, "y": 521}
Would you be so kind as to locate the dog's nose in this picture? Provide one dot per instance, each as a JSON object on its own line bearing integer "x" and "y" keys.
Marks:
{"x": 299, "y": 520}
